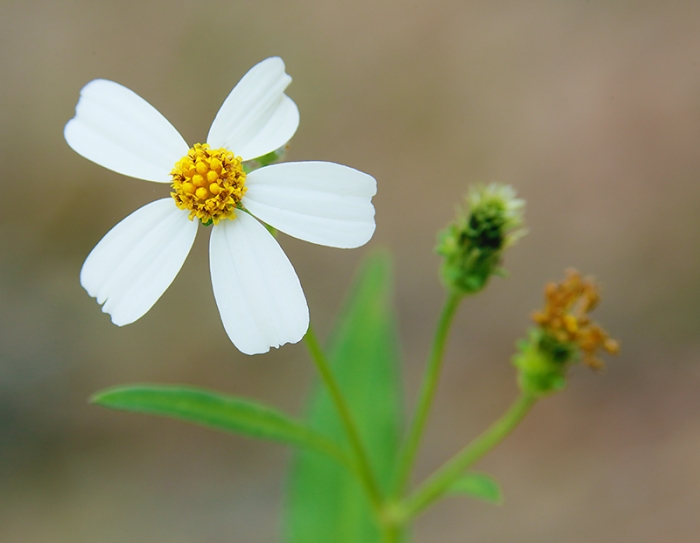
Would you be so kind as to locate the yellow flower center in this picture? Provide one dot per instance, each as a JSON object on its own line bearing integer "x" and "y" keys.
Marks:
{"x": 208, "y": 182}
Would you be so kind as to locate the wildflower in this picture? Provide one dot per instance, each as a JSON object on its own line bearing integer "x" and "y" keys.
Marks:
{"x": 473, "y": 245}
{"x": 564, "y": 334}
{"x": 256, "y": 288}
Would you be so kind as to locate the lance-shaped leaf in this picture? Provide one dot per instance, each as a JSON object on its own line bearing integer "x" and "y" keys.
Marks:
{"x": 478, "y": 485}
{"x": 326, "y": 503}
{"x": 218, "y": 411}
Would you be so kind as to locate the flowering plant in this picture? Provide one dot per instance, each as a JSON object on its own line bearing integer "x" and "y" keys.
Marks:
{"x": 350, "y": 479}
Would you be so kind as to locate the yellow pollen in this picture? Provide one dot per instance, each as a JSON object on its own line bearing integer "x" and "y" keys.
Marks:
{"x": 210, "y": 183}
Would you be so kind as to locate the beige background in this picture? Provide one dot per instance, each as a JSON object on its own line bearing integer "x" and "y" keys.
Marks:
{"x": 591, "y": 109}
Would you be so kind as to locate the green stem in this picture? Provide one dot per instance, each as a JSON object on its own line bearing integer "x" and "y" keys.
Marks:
{"x": 427, "y": 393}
{"x": 364, "y": 469}
{"x": 392, "y": 522}
{"x": 328, "y": 447}
{"x": 391, "y": 534}
{"x": 436, "y": 485}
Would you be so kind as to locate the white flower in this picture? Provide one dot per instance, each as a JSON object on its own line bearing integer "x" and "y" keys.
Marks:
{"x": 256, "y": 288}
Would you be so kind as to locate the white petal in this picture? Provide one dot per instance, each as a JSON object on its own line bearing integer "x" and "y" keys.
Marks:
{"x": 130, "y": 268}
{"x": 116, "y": 128}
{"x": 257, "y": 117}
{"x": 255, "y": 286}
{"x": 320, "y": 202}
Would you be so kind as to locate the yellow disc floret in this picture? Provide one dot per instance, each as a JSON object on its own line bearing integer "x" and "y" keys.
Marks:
{"x": 210, "y": 183}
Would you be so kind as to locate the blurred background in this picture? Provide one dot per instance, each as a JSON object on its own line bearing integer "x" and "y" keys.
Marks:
{"x": 591, "y": 109}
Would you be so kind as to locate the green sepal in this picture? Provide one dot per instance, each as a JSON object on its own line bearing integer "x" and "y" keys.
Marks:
{"x": 265, "y": 160}
{"x": 269, "y": 158}
{"x": 542, "y": 363}
{"x": 466, "y": 268}
{"x": 271, "y": 229}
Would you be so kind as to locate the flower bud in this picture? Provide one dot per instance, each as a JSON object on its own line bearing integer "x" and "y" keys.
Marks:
{"x": 564, "y": 335}
{"x": 473, "y": 245}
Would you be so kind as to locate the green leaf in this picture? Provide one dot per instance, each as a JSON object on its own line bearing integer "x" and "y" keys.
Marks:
{"x": 478, "y": 485}
{"x": 325, "y": 502}
{"x": 214, "y": 410}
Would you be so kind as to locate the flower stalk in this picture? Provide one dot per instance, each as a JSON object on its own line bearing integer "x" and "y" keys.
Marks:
{"x": 427, "y": 393}
{"x": 472, "y": 248}
{"x": 436, "y": 485}
{"x": 364, "y": 468}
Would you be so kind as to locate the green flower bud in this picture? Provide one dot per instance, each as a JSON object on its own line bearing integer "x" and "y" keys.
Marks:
{"x": 542, "y": 363}
{"x": 473, "y": 245}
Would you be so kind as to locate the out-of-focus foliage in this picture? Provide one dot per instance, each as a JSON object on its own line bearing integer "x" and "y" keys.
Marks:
{"x": 325, "y": 502}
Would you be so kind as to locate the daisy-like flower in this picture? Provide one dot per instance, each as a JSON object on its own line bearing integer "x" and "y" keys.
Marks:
{"x": 256, "y": 288}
